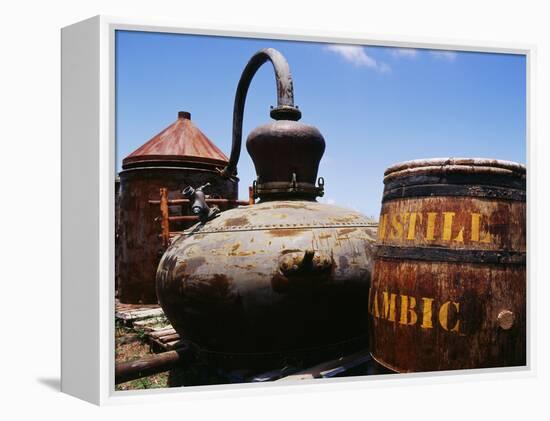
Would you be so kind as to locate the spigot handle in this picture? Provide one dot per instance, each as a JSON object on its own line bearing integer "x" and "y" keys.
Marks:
{"x": 203, "y": 187}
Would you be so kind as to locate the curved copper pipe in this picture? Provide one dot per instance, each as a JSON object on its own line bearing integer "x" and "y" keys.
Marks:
{"x": 285, "y": 109}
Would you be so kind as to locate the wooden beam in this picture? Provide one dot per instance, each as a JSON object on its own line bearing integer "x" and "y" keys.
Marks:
{"x": 165, "y": 221}
{"x": 251, "y": 200}
{"x": 144, "y": 367}
{"x": 184, "y": 218}
{"x": 208, "y": 201}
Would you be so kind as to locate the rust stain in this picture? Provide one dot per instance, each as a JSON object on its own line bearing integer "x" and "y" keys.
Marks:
{"x": 237, "y": 222}
{"x": 193, "y": 263}
{"x": 216, "y": 289}
{"x": 246, "y": 267}
{"x": 346, "y": 231}
{"x": 242, "y": 253}
{"x": 340, "y": 219}
{"x": 290, "y": 205}
{"x": 220, "y": 282}
{"x": 343, "y": 262}
{"x": 290, "y": 251}
{"x": 286, "y": 232}
{"x": 234, "y": 251}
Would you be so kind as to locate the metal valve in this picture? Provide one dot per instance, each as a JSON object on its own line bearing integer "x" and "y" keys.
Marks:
{"x": 197, "y": 203}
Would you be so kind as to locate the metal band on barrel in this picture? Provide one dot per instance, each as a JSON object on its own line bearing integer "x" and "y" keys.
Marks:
{"x": 441, "y": 254}
{"x": 482, "y": 191}
{"x": 487, "y": 179}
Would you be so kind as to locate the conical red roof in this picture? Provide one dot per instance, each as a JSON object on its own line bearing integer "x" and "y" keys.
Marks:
{"x": 180, "y": 143}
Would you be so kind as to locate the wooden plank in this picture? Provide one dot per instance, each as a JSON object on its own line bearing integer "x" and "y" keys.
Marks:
{"x": 161, "y": 337}
{"x": 157, "y": 345}
{"x": 150, "y": 321}
{"x": 165, "y": 218}
{"x": 174, "y": 345}
{"x": 169, "y": 338}
{"x": 136, "y": 309}
{"x": 129, "y": 307}
{"x": 138, "y": 315}
{"x": 165, "y": 361}
{"x": 251, "y": 200}
{"x": 208, "y": 201}
{"x": 149, "y": 325}
{"x": 157, "y": 333}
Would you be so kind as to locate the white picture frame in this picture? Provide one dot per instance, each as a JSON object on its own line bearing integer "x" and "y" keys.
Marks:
{"x": 88, "y": 173}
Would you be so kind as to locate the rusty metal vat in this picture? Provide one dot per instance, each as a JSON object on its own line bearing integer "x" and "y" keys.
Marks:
{"x": 179, "y": 155}
{"x": 286, "y": 278}
{"x": 449, "y": 281}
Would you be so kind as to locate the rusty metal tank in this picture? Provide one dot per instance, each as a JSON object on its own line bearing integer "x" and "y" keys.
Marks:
{"x": 285, "y": 278}
{"x": 449, "y": 281}
{"x": 176, "y": 157}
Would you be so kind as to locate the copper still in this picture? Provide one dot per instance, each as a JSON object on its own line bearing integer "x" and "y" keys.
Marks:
{"x": 285, "y": 278}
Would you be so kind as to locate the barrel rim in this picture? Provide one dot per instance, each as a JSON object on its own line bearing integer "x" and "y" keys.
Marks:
{"x": 438, "y": 164}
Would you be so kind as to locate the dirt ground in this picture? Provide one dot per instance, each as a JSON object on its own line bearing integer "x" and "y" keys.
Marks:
{"x": 132, "y": 344}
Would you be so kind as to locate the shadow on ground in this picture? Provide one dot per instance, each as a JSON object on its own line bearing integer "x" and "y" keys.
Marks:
{"x": 53, "y": 383}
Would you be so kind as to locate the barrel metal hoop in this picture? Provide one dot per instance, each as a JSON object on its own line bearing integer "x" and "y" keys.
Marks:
{"x": 463, "y": 165}
{"x": 481, "y": 191}
{"x": 511, "y": 181}
{"x": 442, "y": 254}
{"x": 459, "y": 174}
{"x": 385, "y": 365}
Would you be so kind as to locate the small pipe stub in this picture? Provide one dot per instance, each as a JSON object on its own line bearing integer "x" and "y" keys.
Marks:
{"x": 186, "y": 115}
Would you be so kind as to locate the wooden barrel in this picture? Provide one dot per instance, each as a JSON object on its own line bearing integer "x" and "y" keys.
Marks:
{"x": 448, "y": 285}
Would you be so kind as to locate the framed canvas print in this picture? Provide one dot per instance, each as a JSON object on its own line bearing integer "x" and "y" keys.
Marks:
{"x": 245, "y": 211}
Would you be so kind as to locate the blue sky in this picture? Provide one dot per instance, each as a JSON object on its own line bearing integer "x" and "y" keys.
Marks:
{"x": 375, "y": 106}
